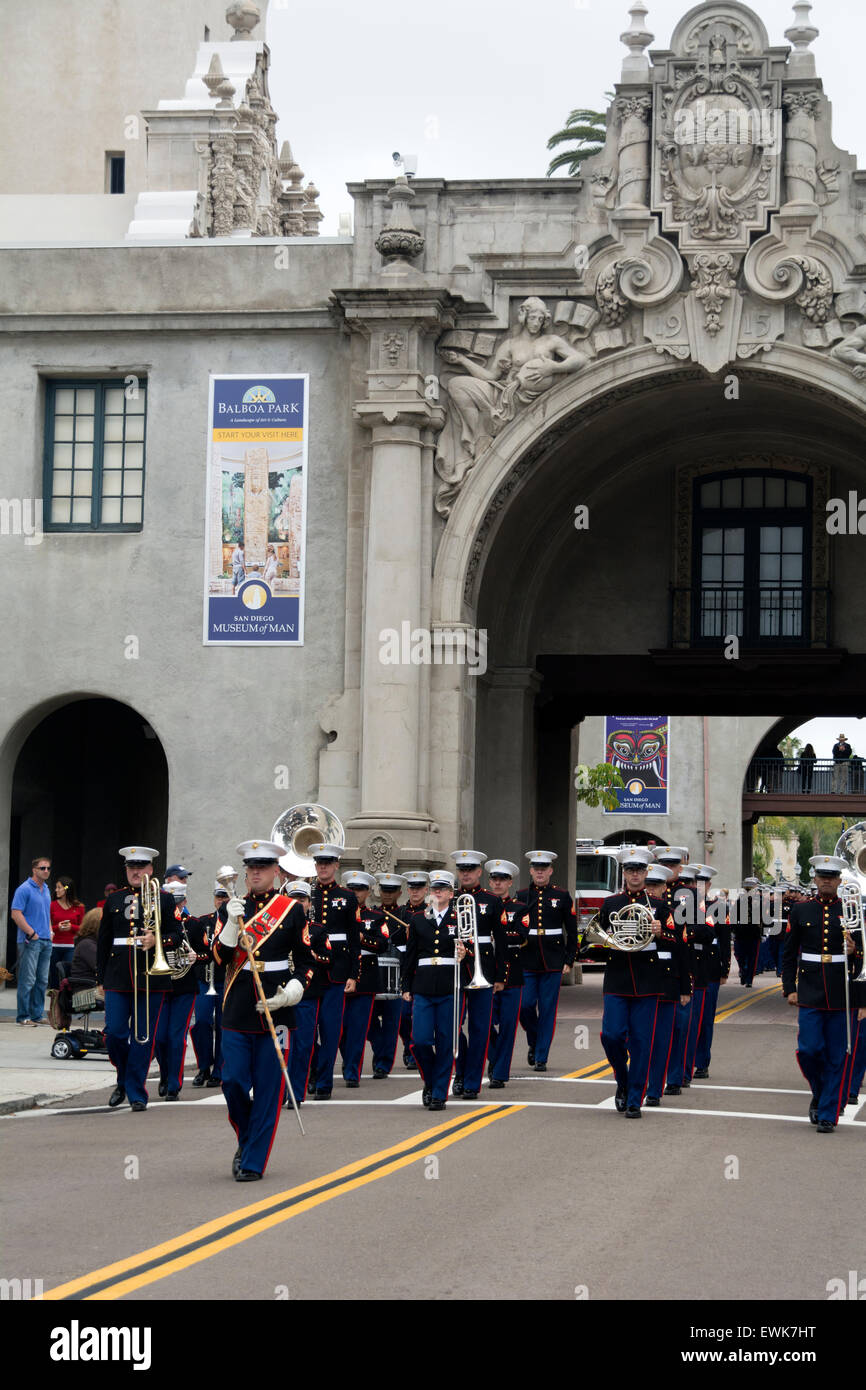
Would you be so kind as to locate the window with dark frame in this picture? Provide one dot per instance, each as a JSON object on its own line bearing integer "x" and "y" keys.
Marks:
{"x": 116, "y": 173}
{"x": 94, "y": 455}
{"x": 751, "y": 563}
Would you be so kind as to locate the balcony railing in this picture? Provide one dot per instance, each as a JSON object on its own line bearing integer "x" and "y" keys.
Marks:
{"x": 793, "y": 777}
{"x": 784, "y": 615}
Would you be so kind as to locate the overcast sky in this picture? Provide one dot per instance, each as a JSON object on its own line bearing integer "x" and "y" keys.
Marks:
{"x": 476, "y": 87}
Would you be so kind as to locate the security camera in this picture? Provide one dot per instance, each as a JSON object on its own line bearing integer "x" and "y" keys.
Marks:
{"x": 410, "y": 165}
{"x": 397, "y": 158}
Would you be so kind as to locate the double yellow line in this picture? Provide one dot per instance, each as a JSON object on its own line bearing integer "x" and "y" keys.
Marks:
{"x": 745, "y": 1003}
{"x": 160, "y": 1261}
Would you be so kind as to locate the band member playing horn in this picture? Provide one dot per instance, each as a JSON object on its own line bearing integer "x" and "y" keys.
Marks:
{"x": 206, "y": 1031}
{"x": 717, "y": 964}
{"x": 478, "y": 1006}
{"x": 273, "y": 929}
{"x": 549, "y": 955}
{"x": 673, "y": 959}
{"x": 387, "y": 1013}
{"x": 336, "y": 910}
{"x": 358, "y": 1006}
{"x": 819, "y": 960}
{"x": 432, "y": 952}
{"x": 178, "y": 1004}
{"x": 125, "y": 957}
{"x": 508, "y": 992}
{"x": 633, "y": 982}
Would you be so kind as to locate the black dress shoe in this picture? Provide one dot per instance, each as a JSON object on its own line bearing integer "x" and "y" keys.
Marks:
{"x": 813, "y": 1112}
{"x": 673, "y": 1090}
{"x": 457, "y": 1088}
{"x": 247, "y": 1175}
{"x": 496, "y": 1085}
{"x": 824, "y": 1127}
{"x": 470, "y": 1095}
{"x": 701, "y": 1073}
{"x": 163, "y": 1087}
{"x": 212, "y": 1082}
{"x": 633, "y": 1113}
{"x": 322, "y": 1095}
{"x": 651, "y": 1100}
{"x": 201, "y": 1076}
{"x": 530, "y": 1057}
{"x": 353, "y": 1085}
{"x": 172, "y": 1095}
{"x": 437, "y": 1105}
{"x": 409, "y": 1061}
{"x": 138, "y": 1105}
{"x": 378, "y": 1074}
{"x": 236, "y": 1162}
{"x": 852, "y": 1100}
{"x": 619, "y": 1099}
{"x": 426, "y": 1096}
{"x": 117, "y": 1097}
{"x": 541, "y": 1066}
{"x": 687, "y": 1083}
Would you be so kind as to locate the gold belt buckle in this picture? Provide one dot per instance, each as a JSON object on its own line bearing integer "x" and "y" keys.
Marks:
{"x": 541, "y": 931}
{"x": 826, "y": 958}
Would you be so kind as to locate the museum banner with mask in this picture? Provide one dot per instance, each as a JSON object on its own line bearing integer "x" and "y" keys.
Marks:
{"x": 638, "y": 747}
{"x": 256, "y": 510}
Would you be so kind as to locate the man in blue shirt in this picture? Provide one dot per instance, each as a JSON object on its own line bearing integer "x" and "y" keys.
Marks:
{"x": 31, "y": 913}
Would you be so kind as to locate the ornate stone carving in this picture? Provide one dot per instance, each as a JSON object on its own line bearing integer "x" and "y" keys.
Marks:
{"x": 379, "y": 853}
{"x": 633, "y": 179}
{"x": 828, "y": 177}
{"x": 524, "y": 366}
{"x": 612, "y": 305}
{"x": 393, "y": 344}
{"x": 852, "y": 351}
{"x": 400, "y": 240}
{"x": 713, "y": 285}
{"x": 243, "y": 16}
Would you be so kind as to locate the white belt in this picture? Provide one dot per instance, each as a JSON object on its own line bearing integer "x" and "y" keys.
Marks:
{"x": 549, "y": 931}
{"x": 401, "y": 948}
{"x": 336, "y": 936}
{"x": 650, "y": 946}
{"x": 121, "y": 941}
{"x": 697, "y": 946}
{"x": 267, "y": 965}
{"x": 818, "y": 960}
{"x": 484, "y": 940}
{"x": 664, "y": 955}
{"x": 715, "y": 941}
{"x": 369, "y": 953}
{"x": 436, "y": 960}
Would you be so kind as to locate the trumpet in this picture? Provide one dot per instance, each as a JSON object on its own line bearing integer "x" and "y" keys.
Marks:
{"x": 467, "y": 930}
{"x": 151, "y": 921}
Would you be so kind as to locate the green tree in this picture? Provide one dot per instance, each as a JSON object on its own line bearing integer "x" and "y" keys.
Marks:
{"x": 790, "y": 747}
{"x": 586, "y": 128}
{"x": 597, "y": 785}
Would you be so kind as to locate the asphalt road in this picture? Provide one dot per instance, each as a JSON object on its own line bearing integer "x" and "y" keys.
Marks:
{"x": 540, "y": 1191}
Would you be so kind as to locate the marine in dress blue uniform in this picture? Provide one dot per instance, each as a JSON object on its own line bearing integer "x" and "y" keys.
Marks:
{"x": 508, "y": 990}
{"x": 673, "y": 958}
{"x": 177, "y": 1009}
{"x": 748, "y": 932}
{"x": 280, "y": 931}
{"x": 358, "y": 1006}
{"x": 683, "y": 902}
{"x": 335, "y": 909}
{"x": 417, "y": 886}
{"x": 477, "y": 1006}
{"x": 385, "y": 1019}
{"x": 717, "y": 964}
{"x": 633, "y": 983}
{"x": 125, "y": 1013}
{"x": 432, "y": 954}
{"x": 817, "y": 953}
{"x": 206, "y": 1031}
{"x": 307, "y": 1009}
{"x": 549, "y": 954}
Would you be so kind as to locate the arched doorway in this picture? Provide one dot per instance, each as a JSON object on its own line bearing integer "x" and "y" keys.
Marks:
{"x": 89, "y": 777}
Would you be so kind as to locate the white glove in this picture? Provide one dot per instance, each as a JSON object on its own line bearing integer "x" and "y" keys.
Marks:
{"x": 286, "y": 996}
{"x": 231, "y": 930}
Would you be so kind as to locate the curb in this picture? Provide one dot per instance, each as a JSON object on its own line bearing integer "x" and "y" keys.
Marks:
{"x": 9, "y": 1107}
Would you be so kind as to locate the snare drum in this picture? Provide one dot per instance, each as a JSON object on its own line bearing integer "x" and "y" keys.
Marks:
{"x": 389, "y": 978}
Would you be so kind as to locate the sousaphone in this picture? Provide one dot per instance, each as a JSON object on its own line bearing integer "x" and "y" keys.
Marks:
{"x": 302, "y": 826}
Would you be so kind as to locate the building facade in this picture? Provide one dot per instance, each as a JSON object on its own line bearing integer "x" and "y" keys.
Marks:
{"x": 582, "y": 433}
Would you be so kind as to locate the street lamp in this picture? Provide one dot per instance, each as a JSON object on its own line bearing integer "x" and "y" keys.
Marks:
{"x": 777, "y": 865}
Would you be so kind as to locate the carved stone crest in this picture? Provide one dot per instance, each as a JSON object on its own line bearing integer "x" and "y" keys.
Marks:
{"x": 379, "y": 853}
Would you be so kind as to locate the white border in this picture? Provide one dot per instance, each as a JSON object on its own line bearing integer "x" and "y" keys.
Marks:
{"x": 628, "y": 812}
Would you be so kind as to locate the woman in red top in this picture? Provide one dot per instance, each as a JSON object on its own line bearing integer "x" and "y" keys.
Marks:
{"x": 67, "y": 914}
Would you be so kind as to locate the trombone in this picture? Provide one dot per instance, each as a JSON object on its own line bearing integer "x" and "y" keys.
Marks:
{"x": 467, "y": 930}
{"x": 852, "y": 921}
{"x": 151, "y": 921}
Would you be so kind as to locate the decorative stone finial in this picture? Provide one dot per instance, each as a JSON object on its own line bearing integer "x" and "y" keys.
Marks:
{"x": 801, "y": 62}
{"x": 243, "y": 16}
{"x": 635, "y": 68}
{"x": 400, "y": 240}
{"x": 218, "y": 84}
{"x": 289, "y": 169}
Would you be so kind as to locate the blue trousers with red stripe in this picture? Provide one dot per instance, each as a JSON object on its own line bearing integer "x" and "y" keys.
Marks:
{"x": 746, "y": 951}
{"x": 207, "y": 1026}
{"x": 432, "y": 1041}
{"x": 858, "y": 1059}
{"x": 303, "y": 1039}
{"x": 250, "y": 1064}
{"x": 174, "y": 1020}
{"x": 665, "y": 1021}
{"x": 627, "y": 1029}
{"x": 704, "y": 1047}
{"x": 357, "y": 1012}
{"x": 130, "y": 1058}
{"x": 538, "y": 1010}
{"x": 686, "y": 1030}
{"x": 478, "y": 1011}
{"x": 330, "y": 1031}
{"x": 503, "y": 1031}
{"x": 385, "y": 1029}
{"x": 823, "y": 1059}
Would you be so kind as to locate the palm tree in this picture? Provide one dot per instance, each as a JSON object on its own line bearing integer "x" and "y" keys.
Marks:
{"x": 585, "y": 127}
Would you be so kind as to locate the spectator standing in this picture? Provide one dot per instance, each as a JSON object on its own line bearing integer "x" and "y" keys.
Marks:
{"x": 107, "y": 890}
{"x": 842, "y": 752}
{"x": 31, "y": 913}
{"x": 807, "y": 767}
{"x": 67, "y": 914}
{"x": 81, "y": 974}
{"x": 238, "y": 566}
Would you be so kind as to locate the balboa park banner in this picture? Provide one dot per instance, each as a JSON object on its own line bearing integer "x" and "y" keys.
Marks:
{"x": 256, "y": 510}
{"x": 639, "y": 748}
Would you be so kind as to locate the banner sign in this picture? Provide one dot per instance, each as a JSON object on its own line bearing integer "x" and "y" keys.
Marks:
{"x": 639, "y": 747}
{"x": 255, "y": 528}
